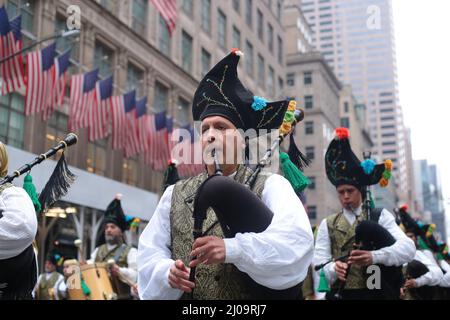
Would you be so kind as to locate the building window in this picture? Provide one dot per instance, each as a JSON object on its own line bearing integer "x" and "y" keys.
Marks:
{"x": 312, "y": 212}
{"x": 280, "y": 85}
{"x": 261, "y": 72}
{"x": 56, "y": 129}
{"x": 135, "y": 79}
{"x": 249, "y": 13}
{"x": 161, "y": 100}
{"x": 164, "y": 37}
{"x": 310, "y": 152}
{"x": 206, "y": 15}
{"x": 309, "y": 127}
{"x": 130, "y": 171}
{"x": 279, "y": 10}
{"x": 64, "y": 43}
{"x": 222, "y": 29}
{"x": 312, "y": 185}
{"x": 12, "y": 120}
{"x": 270, "y": 37}
{"x": 206, "y": 62}
{"x": 249, "y": 58}
{"x": 309, "y": 104}
{"x": 186, "y": 52}
{"x": 103, "y": 60}
{"x": 271, "y": 82}
{"x": 25, "y": 8}
{"x": 188, "y": 7}
{"x": 280, "y": 50}
{"x": 307, "y": 77}
{"x": 110, "y": 5}
{"x": 290, "y": 79}
{"x": 183, "y": 112}
{"x": 237, "y": 6}
{"x": 96, "y": 157}
{"x": 236, "y": 37}
{"x": 346, "y": 107}
{"x": 345, "y": 122}
{"x": 139, "y": 18}
{"x": 260, "y": 24}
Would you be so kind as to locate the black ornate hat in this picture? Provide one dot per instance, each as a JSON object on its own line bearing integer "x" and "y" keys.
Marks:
{"x": 114, "y": 214}
{"x": 221, "y": 93}
{"x": 343, "y": 166}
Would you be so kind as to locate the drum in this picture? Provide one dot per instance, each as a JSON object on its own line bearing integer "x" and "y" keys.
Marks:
{"x": 96, "y": 278}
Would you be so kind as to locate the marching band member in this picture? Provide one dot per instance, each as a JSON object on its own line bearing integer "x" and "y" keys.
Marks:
{"x": 276, "y": 259}
{"x": 48, "y": 281}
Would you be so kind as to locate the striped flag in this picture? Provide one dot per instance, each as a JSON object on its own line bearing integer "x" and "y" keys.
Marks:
{"x": 119, "y": 120}
{"x": 99, "y": 110}
{"x": 190, "y": 168}
{"x": 157, "y": 154}
{"x": 132, "y": 143}
{"x": 62, "y": 64}
{"x": 40, "y": 79}
{"x": 11, "y": 70}
{"x": 82, "y": 96}
{"x": 168, "y": 10}
{"x": 143, "y": 123}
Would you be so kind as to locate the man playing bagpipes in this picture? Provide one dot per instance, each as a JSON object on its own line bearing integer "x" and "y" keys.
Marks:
{"x": 235, "y": 255}
{"x": 124, "y": 266}
{"x": 18, "y": 227}
{"x": 337, "y": 234}
{"x": 423, "y": 274}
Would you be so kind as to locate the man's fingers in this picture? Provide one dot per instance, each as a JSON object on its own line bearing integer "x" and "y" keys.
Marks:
{"x": 200, "y": 242}
{"x": 180, "y": 273}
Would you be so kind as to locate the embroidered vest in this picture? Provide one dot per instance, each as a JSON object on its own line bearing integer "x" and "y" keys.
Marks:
{"x": 218, "y": 281}
{"x": 342, "y": 237}
{"x": 46, "y": 286}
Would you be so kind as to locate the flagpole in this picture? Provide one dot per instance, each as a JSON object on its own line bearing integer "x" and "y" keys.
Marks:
{"x": 63, "y": 34}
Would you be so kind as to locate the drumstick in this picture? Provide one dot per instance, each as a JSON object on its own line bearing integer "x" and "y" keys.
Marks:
{"x": 122, "y": 277}
{"x": 79, "y": 244}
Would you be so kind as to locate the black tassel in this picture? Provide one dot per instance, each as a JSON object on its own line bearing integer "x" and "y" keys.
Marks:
{"x": 170, "y": 175}
{"x": 58, "y": 184}
{"x": 296, "y": 156}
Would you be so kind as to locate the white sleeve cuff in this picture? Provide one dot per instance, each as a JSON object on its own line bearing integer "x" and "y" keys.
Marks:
{"x": 232, "y": 250}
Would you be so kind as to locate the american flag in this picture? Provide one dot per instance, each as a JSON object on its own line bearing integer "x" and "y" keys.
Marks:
{"x": 40, "y": 79}
{"x": 62, "y": 64}
{"x": 158, "y": 154}
{"x": 132, "y": 143}
{"x": 119, "y": 119}
{"x": 99, "y": 110}
{"x": 11, "y": 70}
{"x": 82, "y": 95}
{"x": 168, "y": 10}
{"x": 190, "y": 168}
{"x": 143, "y": 123}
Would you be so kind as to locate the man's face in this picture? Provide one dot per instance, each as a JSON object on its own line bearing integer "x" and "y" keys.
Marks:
{"x": 349, "y": 196}
{"x": 113, "y": 234}
{"x": 49, "y": 267}
{"x": 220, "y": 134}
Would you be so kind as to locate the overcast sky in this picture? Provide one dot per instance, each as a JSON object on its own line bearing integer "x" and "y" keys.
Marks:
{"x": 422, "y": 32}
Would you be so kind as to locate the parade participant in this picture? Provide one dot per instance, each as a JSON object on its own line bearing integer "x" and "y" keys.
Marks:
{"x": 336, "y": 234}
{"x": 18, "y": 227}
{"x": 115, "y": 224}
{"x": 276, "y": 259}
{"x": 46, "y": 285}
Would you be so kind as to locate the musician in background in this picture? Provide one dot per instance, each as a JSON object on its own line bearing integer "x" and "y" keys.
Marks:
{"x": 47, "y": 284}
{"x": 336, "y": 234}
{"x": 277, "y": 258}
{"x": 115, "y": 248}
{"x": 18, "y": 227}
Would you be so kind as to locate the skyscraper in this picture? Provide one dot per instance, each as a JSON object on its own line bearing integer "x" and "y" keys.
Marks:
{"x": 356, "y": 38}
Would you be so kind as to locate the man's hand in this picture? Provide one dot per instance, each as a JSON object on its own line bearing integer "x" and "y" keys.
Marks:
{"x": 179, "y": 277}
{"x": 410, "y": 283}
{"x": 341, "y": 270}
{"x": 361, "y": 258}
{"x": 115, "y": 270}
{"x": 208, "y": 250}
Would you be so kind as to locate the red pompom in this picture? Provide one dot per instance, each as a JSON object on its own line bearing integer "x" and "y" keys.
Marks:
{"x": 404, "y": 208}
{"x": 342, "y": 133}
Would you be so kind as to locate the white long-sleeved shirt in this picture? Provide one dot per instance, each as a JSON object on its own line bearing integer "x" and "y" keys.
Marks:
{"x": 18, "y": 222}
{"x": 445, "y": 281}
{"x": 277, "y": 258}
{"x": 433, "y": 276}
{"x": 402, "y": 251}
{"x": 131, "y": 271}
